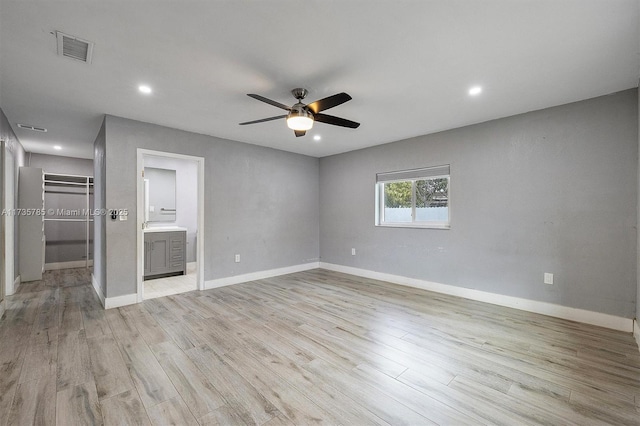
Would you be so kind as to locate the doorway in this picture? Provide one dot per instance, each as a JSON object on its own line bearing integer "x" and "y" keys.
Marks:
{"x": 170, "y": 207}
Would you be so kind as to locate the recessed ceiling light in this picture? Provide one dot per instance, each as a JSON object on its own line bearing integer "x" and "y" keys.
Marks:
{"x": 475, "y": 90}
{"x": 144, "y": 89}
{"x": 57, "y": 147}
{"x": 317, "y": 138}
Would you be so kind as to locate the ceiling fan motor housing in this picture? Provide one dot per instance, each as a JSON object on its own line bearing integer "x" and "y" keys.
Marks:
{"x": 299, "y": 93}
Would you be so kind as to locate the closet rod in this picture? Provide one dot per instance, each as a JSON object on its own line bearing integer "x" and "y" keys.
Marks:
{"x": 52, "y": 219}
{"x": 62, "y": 183}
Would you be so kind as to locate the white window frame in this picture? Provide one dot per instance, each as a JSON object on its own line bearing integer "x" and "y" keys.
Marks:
{"x": 379, "y": 210}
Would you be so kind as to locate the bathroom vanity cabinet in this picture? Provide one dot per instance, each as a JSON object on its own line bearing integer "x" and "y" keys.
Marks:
{"x": 164, "y": 252}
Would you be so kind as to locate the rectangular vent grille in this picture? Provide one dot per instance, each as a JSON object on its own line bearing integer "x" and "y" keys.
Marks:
{"x": 34, "y": 128}
{"x": 74, "y": 47}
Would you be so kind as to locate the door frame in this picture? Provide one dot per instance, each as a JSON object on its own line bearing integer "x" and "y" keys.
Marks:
{"x": 3, "y": 259}
{"x": 140, "y": 216}
{"x": 9, "y": 190}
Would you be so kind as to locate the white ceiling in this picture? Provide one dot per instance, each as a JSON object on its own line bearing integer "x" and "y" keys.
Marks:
{"x": 407, "y": 64}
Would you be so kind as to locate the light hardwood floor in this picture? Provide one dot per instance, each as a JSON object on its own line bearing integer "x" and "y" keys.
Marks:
{"x": 306, "y": 348}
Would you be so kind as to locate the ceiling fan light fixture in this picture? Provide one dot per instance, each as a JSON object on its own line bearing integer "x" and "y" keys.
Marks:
{"x": 300, "y": 119}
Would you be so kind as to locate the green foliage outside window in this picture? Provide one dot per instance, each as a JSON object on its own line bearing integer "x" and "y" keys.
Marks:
{"x": 429, "y": 193}
{"x": 397, "y": 194}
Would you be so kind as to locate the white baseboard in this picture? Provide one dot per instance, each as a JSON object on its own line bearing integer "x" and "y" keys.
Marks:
{"x": 544, "y": 308}
{"x": 54, "y": 266}
{"x": 636, "y": 331}
{"x": 113, "y": 302}
{"x": 97, "y": 289}
{"x": 116, "y": 302}
{"x": 237, "y": 279}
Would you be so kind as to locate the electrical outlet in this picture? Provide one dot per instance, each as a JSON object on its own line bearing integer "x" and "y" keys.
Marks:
{"x": 237, "y": 258}
{"x": 548, "y": 278}
{"x": 353, "y": 252}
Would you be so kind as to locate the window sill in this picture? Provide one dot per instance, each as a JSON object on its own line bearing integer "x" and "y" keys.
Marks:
{"x": 415, "y": 225}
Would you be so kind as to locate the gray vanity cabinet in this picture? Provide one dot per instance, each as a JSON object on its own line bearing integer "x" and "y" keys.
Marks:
{"x": 164, "y": 253}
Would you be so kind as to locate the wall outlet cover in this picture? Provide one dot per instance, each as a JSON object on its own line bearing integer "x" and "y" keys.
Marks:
{"x": 548, "y": 278}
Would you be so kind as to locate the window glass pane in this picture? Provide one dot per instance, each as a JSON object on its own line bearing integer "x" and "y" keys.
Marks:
{"x": 432, "y": 200}
{"x": 397, "y": 201}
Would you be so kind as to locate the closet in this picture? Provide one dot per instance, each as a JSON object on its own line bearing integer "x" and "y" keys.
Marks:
{"x": 68, "y": 229}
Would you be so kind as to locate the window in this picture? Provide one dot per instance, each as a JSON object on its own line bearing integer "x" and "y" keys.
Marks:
{"x": 413, "y": 198}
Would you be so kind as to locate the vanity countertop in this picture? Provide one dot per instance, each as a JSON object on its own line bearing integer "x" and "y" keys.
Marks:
{"x": 165, "y": 229}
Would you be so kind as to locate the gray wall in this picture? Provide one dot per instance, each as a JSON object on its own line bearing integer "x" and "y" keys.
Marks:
{"x": 61, "y": 164}
{"x": 186, "y": 197}
{"x": 16, "y": 153}
{"x": 259, "y": 202}
{"x": 100, "y": 202}
{"x": 554, "y": 191}
{"x": 638, "y": 233}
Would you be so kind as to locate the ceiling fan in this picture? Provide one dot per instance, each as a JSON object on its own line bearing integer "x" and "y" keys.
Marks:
{"x": 301, "y": 117}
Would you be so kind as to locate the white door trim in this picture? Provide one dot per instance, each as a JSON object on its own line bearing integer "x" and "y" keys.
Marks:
{"x": 9, "y": 193}
{"x": 140, "y": 215}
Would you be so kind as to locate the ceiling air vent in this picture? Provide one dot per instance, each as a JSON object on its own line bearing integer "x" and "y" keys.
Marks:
{"x": 74, "y": 47}
{"x": 34, "y": 128}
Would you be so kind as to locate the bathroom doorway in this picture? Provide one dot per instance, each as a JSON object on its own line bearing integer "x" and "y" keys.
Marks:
{"x": 170, "y": 223}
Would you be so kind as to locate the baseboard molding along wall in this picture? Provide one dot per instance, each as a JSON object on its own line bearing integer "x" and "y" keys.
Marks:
{"x": 124, "y": 300}
{"x": 253, "y": 276}
{"x": 54, "y": 266}
{"x": 544, "y": 308}
{"x": 113, "y": 302}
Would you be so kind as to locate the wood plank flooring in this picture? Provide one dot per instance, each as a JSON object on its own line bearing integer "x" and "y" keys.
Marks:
{"x": 314, "y": 347}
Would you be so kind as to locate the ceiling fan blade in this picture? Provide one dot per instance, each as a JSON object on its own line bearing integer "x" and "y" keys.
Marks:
{"x": 330, "y": 102}
{"x": 269, "y": 101}
{"x": 336, "y": 121}
{"x": 300, "y": 133}
{"x": 263, "y": 120}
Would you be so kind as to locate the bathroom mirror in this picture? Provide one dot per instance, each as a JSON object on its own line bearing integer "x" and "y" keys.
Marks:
{"x": 160, "y": 195}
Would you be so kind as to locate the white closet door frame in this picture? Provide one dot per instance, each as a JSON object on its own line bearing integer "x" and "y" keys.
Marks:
{"x": 9, "y": 193}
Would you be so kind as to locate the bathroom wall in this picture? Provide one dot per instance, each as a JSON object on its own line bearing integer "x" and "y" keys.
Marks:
{"x": 186, "y": 197}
